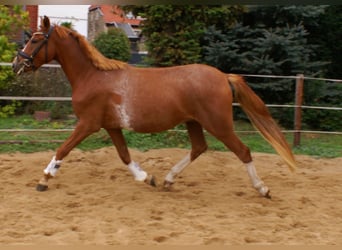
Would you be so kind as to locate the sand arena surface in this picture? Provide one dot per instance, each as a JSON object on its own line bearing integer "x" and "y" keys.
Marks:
{"x": 94, "y": 200}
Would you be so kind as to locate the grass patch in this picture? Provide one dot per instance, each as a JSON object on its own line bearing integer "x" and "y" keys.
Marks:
{"x": 311, "y": 144}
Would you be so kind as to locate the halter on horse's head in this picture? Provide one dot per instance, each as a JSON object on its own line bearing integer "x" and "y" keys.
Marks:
{"x": 32, "y": 56}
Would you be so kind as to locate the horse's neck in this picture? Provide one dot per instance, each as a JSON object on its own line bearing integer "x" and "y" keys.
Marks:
{"x": 74, "y": 62}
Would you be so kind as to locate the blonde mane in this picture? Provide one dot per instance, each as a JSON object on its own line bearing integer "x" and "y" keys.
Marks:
{"x": 97, "y": 59}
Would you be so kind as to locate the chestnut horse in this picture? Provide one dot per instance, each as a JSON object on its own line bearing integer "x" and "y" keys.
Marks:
{"x": 113, "y": 95}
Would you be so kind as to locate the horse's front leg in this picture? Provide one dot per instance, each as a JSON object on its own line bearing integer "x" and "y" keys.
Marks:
{"x": 81, "y": 131}
{"x": 121, "y": 147}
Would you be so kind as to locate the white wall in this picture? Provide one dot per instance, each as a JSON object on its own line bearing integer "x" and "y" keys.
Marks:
{"x": 77, "y": 14}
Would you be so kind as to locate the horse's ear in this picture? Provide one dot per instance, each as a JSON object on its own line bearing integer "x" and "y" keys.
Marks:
{"x": 45, "y": 22}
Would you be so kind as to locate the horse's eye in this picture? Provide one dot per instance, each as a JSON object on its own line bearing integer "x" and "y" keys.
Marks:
{"x": 34, "y": 41}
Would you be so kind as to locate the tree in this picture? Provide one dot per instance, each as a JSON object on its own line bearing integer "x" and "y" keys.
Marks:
{"x": 281, "y": 16}
{"x": 12, "y": 21}
{"x": 68, "y": 25}
{"x": 172, "y": 37}
{"x": 113, "y": 44}
{"x": 322, "y": 24}
{"x": 173, "y": 32}
{"x": 327, "y": 35}
{"x": 279, "y": 51}
{"x": 269, "y": 40}
{"x": 271, "y": 30}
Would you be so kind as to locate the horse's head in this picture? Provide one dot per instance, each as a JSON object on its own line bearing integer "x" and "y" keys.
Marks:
{"x": 37, "y": 51}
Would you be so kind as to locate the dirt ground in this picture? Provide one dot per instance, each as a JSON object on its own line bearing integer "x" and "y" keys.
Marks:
{"x": 94, "y": 200}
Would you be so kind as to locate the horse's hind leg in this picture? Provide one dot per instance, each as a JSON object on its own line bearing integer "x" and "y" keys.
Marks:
{"x": 121, "y": 147}
{"x": 220, "y": 125}
{"x": 243, "y": 153}
{"x": 198, "y": 144}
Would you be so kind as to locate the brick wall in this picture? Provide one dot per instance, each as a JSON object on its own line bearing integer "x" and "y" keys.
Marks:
{"x": 33, "y": 17}
{"x": 19, "y": 36}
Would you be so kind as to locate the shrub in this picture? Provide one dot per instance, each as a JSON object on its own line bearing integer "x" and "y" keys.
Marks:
{"x": 113, "y": 44}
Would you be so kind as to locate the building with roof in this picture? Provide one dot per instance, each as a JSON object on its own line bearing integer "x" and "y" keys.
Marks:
{"x": 103, "y": 17}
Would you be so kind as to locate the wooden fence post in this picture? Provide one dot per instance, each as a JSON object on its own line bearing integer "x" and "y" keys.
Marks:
{"x": 298, "y": 109}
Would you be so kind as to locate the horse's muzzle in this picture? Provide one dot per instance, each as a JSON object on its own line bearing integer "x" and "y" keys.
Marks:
{"x": 19, "y": 67}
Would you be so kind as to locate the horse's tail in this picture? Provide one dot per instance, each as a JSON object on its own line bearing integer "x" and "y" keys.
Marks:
{"x": 260, "y": 117}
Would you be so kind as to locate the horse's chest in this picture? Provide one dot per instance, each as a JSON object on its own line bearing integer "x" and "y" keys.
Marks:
{"x": 123, "y": 110}
{"x": 124, "y": 116}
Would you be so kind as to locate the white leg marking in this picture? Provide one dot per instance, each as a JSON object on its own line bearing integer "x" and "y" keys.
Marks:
{"x": 179, "y": 167}
{"x": 139, "y": 174}
{"x": 258, "y": 184}
{"x": 52, "y": 167}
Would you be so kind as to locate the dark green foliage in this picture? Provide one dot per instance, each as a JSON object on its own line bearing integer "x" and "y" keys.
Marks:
{"x": 275, "y": 40}
{"x": 330, "y": 95}
{"x": 68, "y": 25}
{"x": 328, "y": 35}
{"x": 322, "y": 22}
{"x": 113, "y": 44}
{"x": 13, "y": 19}
{"x": 274, "y": 51}
{"x": 280, "y": 16}
{"x": 174, "y": 32}
{"x": 172, "y": 35}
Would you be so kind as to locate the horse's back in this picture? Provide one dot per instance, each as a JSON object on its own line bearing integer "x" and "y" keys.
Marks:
{"x": 187, "y": 81}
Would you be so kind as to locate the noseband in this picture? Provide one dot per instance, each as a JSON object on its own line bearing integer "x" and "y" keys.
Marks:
{"x": 28, "y": 62}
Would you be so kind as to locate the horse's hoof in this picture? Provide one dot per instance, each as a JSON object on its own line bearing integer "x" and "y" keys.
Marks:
{"x": 151, "y": 180}
{"x": 41, "y": 188}
{"x": 267, "y": 195}
{"x": 167, "y": 185}
{"x": 263, "y": 190}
